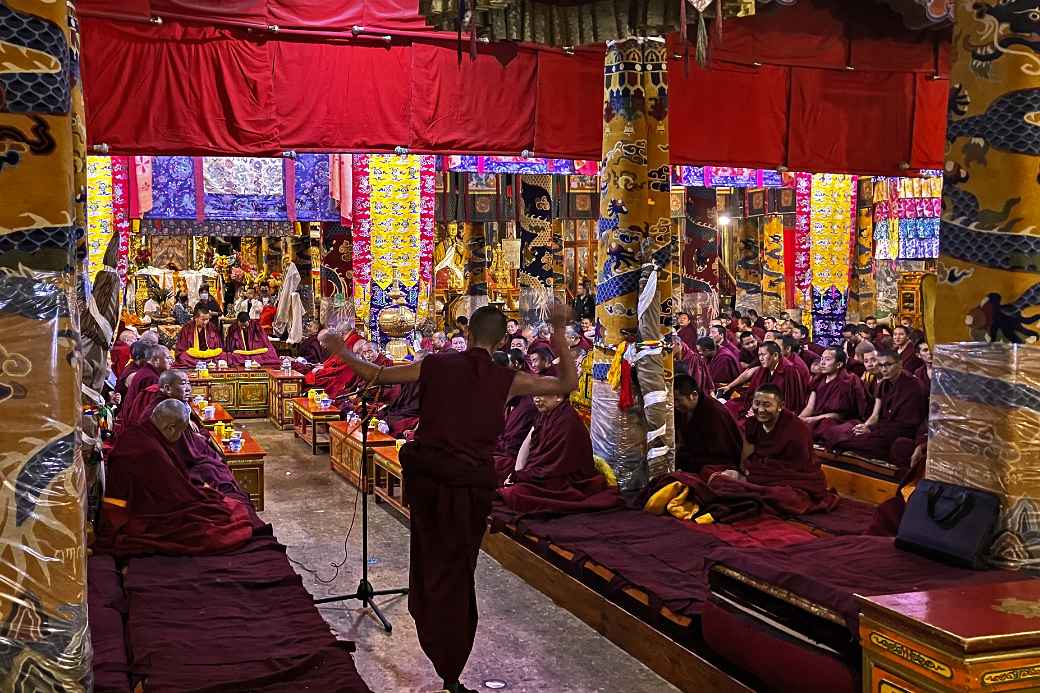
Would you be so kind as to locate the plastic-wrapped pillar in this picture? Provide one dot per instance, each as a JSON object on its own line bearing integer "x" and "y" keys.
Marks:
{"x": 44, "y": 643}
{"x": 634, "y": 106}
{"x": 985, "y": 415}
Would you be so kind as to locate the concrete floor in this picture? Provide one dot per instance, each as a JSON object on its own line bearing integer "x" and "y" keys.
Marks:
{"x": 524, "y": 639}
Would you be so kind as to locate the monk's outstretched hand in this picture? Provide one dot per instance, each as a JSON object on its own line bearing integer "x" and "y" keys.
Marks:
{"x": 559, "y": 315}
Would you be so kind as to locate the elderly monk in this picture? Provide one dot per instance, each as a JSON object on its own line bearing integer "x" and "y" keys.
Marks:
{"x": 554, "y": 471}
{"x": 579, "y": 345}
{"x": 835, "y": 394}
{"x": 773, "y": 371}
{"x": 199, "y": 340}
{"x": 899, "y": 409}
{"x": 334, "y": 375}
{"x": 310, "y": 349}
{"x": 151, "y": 505}
{"x": 246, "y": 340}
{"x": 449, "y": 474}
{"x": 778, "y": 455}
{"x": 707, "y": 434}
{"x": 140, "y": 409}
{"x": 723, "y": 365}
{"x": 157, "y": 360}
{"x": 119, "y": 356}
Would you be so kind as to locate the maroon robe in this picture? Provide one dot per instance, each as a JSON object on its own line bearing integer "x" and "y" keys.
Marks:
{"x": 537, "y": 344}
{"x": 520, "y": 416}
{"x": 784, "y": 457}
{"x": 809, "y": 358}
{"x": 799, "y": 365}
{"x": 137, "y": 410}
{"x": 814, "y": 348}
{"x": 209, "y": 338}
{"x": 903, "y": 407}
{"x": 709, "y": 437}
{"x": 749, "y": 358}
{"x": 449, "y": 480}
{"x": 252, "y": 337}
{"x": 335, "y": 376}
{"x": 403, "y": 413}
{"x": 911, "y": 361}
{"x": 724, "y": 366}
{"x": 759, "y": 333}
{"x": 689, "y": 335}
{"x": 922, "y": 377}
{"x": 844, "y": 396}
{"x": 560, "y": 476}
{"x": 696, "y": 367}
{"x": 312, "y": 350}
{"x": 145, "y": 377}
{"x": 784, "y": 377}
{"x": 119, "y": 357}
{"x": 157, "y": 509}
{"x": 130, "y": 369}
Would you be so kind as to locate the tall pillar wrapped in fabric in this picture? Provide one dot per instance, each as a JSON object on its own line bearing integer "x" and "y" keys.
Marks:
{"x": 748, "y": 268}
{"x": 43, "y": 608}
{"x": 862, "y": 288}
{"x": 773, "y": 284}
{"x": 700, "y": 257}
{"x": 541, "y": 248}
{"x": 627, "y": 213}
{"x": 984, "y": 421}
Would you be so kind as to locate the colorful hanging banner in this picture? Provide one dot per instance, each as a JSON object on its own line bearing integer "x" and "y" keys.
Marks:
{"x": 100, "y": 222}
{"x": 803, "y": 241}
{"x": 833, "y": 211}
{"x": 121, "y": 212}
{"x": 362, "y": 238}
{"x": 773, "y": 285}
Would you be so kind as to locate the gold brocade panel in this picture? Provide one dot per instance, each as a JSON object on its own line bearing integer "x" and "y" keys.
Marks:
{"x": 773, "y": 284}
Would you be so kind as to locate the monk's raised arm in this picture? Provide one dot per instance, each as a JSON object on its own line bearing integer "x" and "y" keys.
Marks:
{"x": 390, "y": 375}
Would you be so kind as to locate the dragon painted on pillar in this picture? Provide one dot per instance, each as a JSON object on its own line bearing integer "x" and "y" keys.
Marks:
{"x": 990, "y": 239}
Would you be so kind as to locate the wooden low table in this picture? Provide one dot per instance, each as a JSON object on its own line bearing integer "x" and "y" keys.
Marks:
{"x": 388, "y": 483}
{"x": 284, "y": 388}
{"x": 247, "y": 465}
{"x": 311, "y": 422}
{"x": 345, "y": 451}
{"x": 220, "y": 415}
{"x": 244, "y": 392}
{"x": 966, "y": 638}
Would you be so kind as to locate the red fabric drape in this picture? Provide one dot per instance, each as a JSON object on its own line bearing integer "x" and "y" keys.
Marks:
{"x": 197, "y": 90}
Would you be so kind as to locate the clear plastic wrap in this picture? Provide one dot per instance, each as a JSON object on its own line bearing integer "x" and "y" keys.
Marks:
{"x": 984, "y": 432}
{"x": 619, "y": 437}
{"x": 43, "y": 637}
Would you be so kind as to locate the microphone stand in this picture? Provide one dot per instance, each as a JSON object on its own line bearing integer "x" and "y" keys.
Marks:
{"x": 365, "y": 592}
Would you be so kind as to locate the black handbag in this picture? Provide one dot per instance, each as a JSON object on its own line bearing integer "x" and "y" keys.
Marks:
{"x": 949, "y": 523}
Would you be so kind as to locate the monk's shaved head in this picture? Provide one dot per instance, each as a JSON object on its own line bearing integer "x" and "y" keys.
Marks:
{"x": 487, "y": 327}
{"x": 150, "y": 337}
{"x": 175, "y": 384}
{"x": 546, "y": 403}
{"x": 171, "y": 418}
{"x": 139, "y": 350}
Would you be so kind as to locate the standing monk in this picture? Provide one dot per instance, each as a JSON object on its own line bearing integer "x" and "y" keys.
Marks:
{"x": 449, "y": 475}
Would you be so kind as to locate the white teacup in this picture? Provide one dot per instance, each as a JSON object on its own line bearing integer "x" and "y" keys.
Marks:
{"x": 209, "y": 413}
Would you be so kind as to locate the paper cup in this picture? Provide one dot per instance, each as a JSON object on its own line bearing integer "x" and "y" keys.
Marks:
{"x": 209, "y": 412}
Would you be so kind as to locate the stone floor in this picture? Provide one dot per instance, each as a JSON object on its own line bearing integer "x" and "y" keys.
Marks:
{"x": 524, "y": 639}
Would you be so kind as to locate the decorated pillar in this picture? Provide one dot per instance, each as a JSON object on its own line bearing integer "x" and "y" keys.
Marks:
{"x": 984, "y": 420}
{"x": 43, "y": 613}
{"x": 541, "y": 248}
{"x": 748, "y": 268}
{"x": 700, "y": 257}
{"x": 634, "y": 255}
{"x": 862, "y": 288}
{"x": 774, "y": 288}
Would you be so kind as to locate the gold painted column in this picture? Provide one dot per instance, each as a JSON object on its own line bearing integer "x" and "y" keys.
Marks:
{"x": 635, "y": 238}
{"x": 43, "y": 611}
{"x": 985, "y": 419}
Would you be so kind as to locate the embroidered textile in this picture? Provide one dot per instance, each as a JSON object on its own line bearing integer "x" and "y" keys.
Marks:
{"x": 121, "y": 212}
{"x": 266, "y": 207}
{"x": 362, "y": 238}
{"x": 862, "y": 288}
{"x": 341, "y": 185}
{"x": 100, "y": 222}
{"x": 748, "y": 268}
{"x": 803, "y": 240}
{"x": 217, "y": 227}
{"x": 717, "y": 176}
{"x": 519, "y": 164}
{"x": 832, "y": 228}
{"x": 427, "y": 233}
{"x": 173, "y": 188}
{"x": 242, "y": 175}
{"x": 313, "y": 197}
{"x": 906, "y": 218}
{"x": 773, "y": 288}
{"x": 143, "y": 180}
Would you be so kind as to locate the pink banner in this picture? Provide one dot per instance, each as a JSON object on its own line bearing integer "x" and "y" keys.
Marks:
{"x": 427, "y": 182}
{"x": 803, "y": 239}
{"x": 121, "y": 211}
{"x": 361, "y": 194}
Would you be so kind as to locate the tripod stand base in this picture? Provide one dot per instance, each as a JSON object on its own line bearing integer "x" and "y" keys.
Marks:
{"x": 364, "y": 594}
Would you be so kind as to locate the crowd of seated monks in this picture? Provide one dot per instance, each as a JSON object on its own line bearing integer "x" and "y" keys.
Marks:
{"x": 867, "y": 396}
{"x": 200, "y": 340}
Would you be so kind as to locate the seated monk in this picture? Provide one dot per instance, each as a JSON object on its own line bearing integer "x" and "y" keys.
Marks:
{"x": 119, "y": 356}
{"x": 706, "y": 434}
{"x": 245, "y": 340}
{"x": 334, "y": 375}
{"x": 835, "y": 394}
{"x": 771, "y": 371}
{"x": 749, "y": 348}
{"x": 924, "y": 373}
{"x": 870, "y": 373}
{"x": 554, "y": 471}
{"x": 199, "y": 340}
{"x": 792, "y": 350}
{"x": 310, "y": 349}
{"x": 138, "y": 356}
{"x": 906, "y": 349}
{"x": 691, "y": 363}
{"x": 520, "y": 416}
{"x": 157, "y": 360}
{"x": 899, "y": 409}
{"x": 778, "y": 453}
{"x": 150, "y": 504}
{"x": 402, "y": 414}
{"x": 723, "y": 364}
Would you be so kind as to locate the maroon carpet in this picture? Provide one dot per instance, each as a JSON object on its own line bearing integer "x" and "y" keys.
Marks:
{"x": 106, "y": 611}
{"x": 237, "y": 621}
{"x": 848, "y": 517}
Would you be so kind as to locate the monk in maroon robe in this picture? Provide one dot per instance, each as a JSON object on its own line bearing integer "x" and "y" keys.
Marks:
{"x": 723, "y": 365}
{"x": 924, "y": 373}
{"x": 792, "y": 352}
{"x": 520, "y": 416}
{"x": 246, "y": 340}
{"x": 335, "y": 376}
{"x": 835, "y": 395}
{"x": 748, "y": 354}
{"x": 138, "y": 357}
{"x": 707, "y": 434}
{"x": 687, "y": 330}
{"x": 905, "y": 347}
{"x": 771, "y": 371}
{"x": 694, "y": 365}
{"x": 449, "y": 475}
{"x": 554, "y": 471}
{"x": 158, "y": 360}
{"x": 150, "y": 504}
{"x": 199, "y": 340}
{"x": 119, "y": 356}
{"x": 899, "y": 409}
{"x": 402, "y": 414}
{"x": 778, "y": 460}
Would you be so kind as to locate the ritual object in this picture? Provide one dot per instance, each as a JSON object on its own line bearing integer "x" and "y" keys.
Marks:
{"x": 396, "y": 321}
